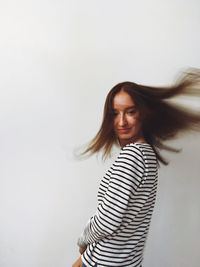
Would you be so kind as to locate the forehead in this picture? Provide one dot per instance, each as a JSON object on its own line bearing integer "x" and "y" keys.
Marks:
{"x": 123, "y": 100}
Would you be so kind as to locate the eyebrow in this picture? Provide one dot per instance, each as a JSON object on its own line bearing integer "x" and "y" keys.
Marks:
{"x": 130, "y": 107}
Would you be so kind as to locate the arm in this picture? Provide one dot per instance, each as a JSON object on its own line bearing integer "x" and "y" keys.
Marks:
{"x": 78, "y": 263}
{"x": 127, "y": 173}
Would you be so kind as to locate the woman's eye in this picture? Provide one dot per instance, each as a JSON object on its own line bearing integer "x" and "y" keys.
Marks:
{"x": 133, "y": 111}
{"x": 128, "y": 112}
{"x": 115, "y": 113}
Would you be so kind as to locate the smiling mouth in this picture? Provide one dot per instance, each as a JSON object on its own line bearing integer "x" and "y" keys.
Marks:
{"x": 125, "y": 130}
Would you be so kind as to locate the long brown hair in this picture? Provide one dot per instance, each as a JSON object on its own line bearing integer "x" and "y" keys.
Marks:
{"x": 161, "y": 120}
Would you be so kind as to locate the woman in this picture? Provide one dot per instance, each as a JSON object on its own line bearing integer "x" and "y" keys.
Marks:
{"x": 138, "y": 118}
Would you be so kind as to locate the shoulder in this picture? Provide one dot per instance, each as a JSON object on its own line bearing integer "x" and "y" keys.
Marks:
{"x": 143, "y": 149}
{"x": 138, "y": 152}
{"x": 132, "y": 147}
{"x": 133, "y": 154}
{"x": 139, "y": 148}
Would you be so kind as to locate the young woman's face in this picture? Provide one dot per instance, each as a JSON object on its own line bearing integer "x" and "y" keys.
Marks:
{"x": 127, "y": 124}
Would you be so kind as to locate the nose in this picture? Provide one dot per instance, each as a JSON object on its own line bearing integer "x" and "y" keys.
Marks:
{"x": 122, "y": 120}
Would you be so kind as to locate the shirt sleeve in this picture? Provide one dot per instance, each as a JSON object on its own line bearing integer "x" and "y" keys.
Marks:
{"x": 125, "y": 178}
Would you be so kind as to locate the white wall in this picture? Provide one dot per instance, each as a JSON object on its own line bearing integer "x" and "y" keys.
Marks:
{"x": 58, "y": 61}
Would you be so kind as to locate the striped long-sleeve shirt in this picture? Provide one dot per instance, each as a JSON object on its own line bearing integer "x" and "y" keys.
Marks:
{"x": 116, "y": 234}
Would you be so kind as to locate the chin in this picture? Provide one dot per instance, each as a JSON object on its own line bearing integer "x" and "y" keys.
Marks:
{"x": 126, "y": 137}
{"x": 126, "y": 140}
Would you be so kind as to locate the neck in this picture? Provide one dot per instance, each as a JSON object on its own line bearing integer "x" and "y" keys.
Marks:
{"x": 133, "y": 140}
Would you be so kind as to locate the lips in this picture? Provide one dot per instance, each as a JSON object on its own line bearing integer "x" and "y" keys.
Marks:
{"x": 123, "y": 131}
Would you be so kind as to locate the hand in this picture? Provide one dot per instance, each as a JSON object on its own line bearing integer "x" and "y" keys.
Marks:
{"x": 78, "y": 263}
{"x": 82, "y": 249}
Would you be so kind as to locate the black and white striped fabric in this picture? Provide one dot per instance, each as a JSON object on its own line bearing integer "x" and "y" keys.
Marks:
{"x": 116, "y": 234}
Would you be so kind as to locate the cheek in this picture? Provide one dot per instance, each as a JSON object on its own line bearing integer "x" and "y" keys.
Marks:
{"x": 137, "y": 118}
{"x": 114, "y": 123}
{"x": 116, "y": 120}
{"x": 136, "y": 122}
